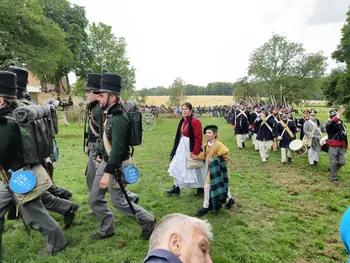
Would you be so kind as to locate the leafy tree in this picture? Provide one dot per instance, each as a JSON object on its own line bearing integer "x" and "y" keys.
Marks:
{"x": 336, "y": 86}
{"x": 244, "y": 89}
{"x": 108, "y": 51}
{"x": 342, "y": 53}
{"x": 26, "y": 36}
{"x": 281, "y": 62}
{"x": 176, "y": 92}
{"x": 72, "y": 21}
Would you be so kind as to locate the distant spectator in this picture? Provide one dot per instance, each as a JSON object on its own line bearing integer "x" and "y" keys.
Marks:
{"x": 180, "y": 239}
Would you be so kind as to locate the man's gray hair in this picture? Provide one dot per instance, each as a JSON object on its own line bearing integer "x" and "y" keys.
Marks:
{"x": 177, "y": 223}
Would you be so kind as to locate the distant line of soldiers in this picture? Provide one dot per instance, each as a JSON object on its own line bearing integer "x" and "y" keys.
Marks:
{"x": 275, "y": 126}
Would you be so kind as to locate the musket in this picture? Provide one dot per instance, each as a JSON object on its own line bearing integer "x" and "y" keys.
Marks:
{"x": 118, "y": 176}
{"x": 85, "y": 131}
{"x": 285, "y": 103}
{"x": 5, "y": 180}
{"x": 274, "y": 99}
{"x": 258, "y": 97}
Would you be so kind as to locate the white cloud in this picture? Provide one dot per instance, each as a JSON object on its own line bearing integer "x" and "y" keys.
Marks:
{"x": 326, "y": 12}
{"x": 206, "y": 41}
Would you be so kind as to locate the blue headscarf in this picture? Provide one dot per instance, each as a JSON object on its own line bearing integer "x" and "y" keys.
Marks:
{"x": 345, "y": 230}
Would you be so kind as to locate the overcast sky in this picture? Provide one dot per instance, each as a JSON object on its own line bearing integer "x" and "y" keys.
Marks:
{"x": 205, "y": 41}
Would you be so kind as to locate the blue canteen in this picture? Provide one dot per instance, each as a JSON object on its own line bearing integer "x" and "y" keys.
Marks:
{"x": 131, "y": 174}
{"x": 22, "y": 182}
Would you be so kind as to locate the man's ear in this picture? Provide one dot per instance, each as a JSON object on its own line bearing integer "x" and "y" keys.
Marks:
{"x": 2, "y": 102}
{"x": 174, "y": 244}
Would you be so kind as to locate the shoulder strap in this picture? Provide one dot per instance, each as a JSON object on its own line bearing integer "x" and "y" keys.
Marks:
{"x": 285, "y": 126}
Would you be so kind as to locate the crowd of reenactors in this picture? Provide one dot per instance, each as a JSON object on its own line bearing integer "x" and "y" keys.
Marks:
{"x": 275, "y": 126}
{"x": 28, "y": 150}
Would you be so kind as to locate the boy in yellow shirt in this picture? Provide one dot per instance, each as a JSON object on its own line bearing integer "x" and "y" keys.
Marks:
{"x": 213, "y": 149}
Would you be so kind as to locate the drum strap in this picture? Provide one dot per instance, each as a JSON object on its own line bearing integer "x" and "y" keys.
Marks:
{"x": 286, "y": 128}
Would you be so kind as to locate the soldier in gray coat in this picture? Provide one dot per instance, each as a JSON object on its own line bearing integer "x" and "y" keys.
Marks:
{"x": 313, "y": 128}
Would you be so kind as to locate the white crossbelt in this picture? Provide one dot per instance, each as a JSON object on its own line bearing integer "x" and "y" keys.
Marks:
{"x": 267, "y": 125}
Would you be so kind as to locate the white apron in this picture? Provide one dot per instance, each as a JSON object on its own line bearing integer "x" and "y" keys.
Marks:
{"x": 183, "y": 177}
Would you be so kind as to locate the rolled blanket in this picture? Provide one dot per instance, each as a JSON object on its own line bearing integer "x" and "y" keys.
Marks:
{"x": 31, "y": 113}
{"x": 28, "y": 113}
{"x": 47, "y": 113}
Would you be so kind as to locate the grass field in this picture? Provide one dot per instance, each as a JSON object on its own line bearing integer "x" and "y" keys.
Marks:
{"x": 285, "y": 213}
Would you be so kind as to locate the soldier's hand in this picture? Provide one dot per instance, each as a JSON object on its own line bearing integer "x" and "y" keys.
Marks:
{"x": 104, "y": 183}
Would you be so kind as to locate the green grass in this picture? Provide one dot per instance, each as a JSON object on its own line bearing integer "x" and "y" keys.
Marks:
{"x": 285, "y": 213}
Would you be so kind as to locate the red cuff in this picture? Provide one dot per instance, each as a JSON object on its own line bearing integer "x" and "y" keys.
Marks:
{"x": 335, "y": 119}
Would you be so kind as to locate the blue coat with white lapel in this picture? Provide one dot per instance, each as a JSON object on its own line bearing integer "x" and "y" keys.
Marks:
{"x": 267, "y": 129}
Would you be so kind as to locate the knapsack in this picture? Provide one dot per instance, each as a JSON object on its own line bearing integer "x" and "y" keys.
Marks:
{"x": 135, "y": 118}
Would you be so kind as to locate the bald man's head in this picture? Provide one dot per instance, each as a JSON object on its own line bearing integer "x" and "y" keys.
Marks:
{"x": 186, "y": 237}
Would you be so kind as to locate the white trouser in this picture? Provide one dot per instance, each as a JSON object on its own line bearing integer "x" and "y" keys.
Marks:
{"x": 255, "y": 142}
{"x": 313, "y": 155}
{"x": 264, "y": 148}
{"x": 240, "y": 138}
{"x": 285, "y": 152}
{"x": 207, "y": 195}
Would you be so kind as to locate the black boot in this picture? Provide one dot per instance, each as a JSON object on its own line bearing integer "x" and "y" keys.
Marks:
{"x": 70, "y": 215}
{"x": 148, "y": 230}
{"x": 289, "y": 159}
{"x": 202, "y": 212}
{"x": 199, "y": 192}
{"x": 243, "y": 144}
{"x": 230, "y": 203}
{"x": 2, "y": 223}
{"x": 315, "y": 163}
{"x": 175, "y": 190}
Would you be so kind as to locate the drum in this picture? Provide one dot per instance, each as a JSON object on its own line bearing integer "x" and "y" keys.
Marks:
{"x": 298, "y": 147}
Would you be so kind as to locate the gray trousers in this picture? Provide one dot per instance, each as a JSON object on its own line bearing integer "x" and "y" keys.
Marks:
{"x": 57, "y": 190}
{"x": 91, "y": 167}
{"x": 55, "y": 204}
{"x": 336, "y": 157}
{"x": 35, "y": 214}
{"x": 99, "y": 206}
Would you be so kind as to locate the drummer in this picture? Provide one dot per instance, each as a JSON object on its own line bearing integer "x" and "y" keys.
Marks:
{"x": 314, "y": 128}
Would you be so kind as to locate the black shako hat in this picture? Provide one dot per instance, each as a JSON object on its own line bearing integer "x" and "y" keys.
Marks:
{"x": 8, "y": 84}
{"x": 111, "y": 83}
{"x": 93, "y": 82}
{"x": 22, "y": 76}
{"x": 210, "y": 127}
